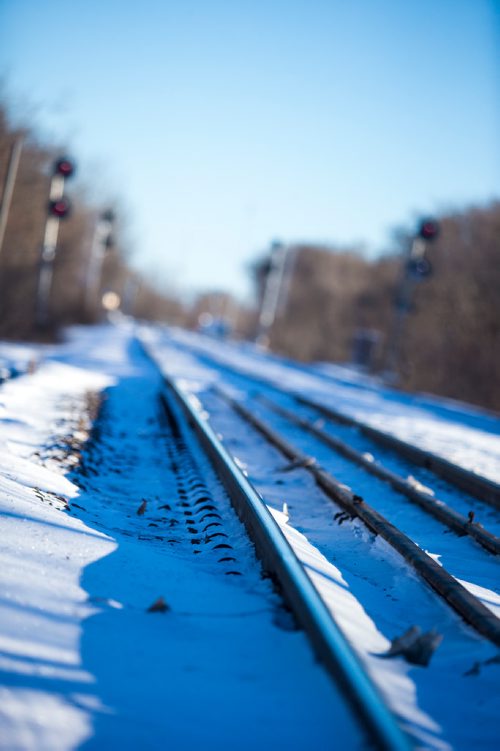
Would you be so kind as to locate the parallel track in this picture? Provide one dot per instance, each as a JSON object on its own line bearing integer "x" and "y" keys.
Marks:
{"x": 469, "y": 607}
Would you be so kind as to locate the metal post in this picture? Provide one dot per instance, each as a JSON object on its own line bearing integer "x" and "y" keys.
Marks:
{"x": 129, "y": 296}
{"x": 272, "y": 292}
{"x": 46, "y": 270}
{"x": 48, "y": 254}
{"x": 100, "y": 243}
{"x": 403, "y": 303}
{"x": 288, "y": 275}
{"x": 8, "y": 190}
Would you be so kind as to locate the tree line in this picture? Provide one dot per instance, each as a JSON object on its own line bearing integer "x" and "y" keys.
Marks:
{"x": 71, "y": 299}
{"x": 335, "y": 304}
{"x": 450, "y": 343}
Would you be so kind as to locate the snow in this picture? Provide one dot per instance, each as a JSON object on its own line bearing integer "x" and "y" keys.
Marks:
{"x": 82, "y": 662}
{"x": 42, "y": 553}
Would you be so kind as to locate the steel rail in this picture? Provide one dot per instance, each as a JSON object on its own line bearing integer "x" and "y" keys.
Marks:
{"x": 432, "y": 505}
{"x": 277, "y": 556}
{"x": 480, "y": 487}
{"x": 466, "y": 605}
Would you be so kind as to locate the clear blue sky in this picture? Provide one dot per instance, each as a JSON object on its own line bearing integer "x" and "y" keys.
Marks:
{"x": 223, "y": 124}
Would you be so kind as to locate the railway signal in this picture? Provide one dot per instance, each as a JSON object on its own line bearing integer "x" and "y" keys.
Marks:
{"x": 417, "y": 267}
{"x": 428, "y": 230}
{"x": 277, "y": 271}
{"x": 272, "y": 287}
{"x": 64, "y": 167}
{"x": 58, "y": 208}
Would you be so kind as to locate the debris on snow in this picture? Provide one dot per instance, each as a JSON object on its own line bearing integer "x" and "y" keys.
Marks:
{"x": 417, "y": 648}
{"x": 158, "y": 606}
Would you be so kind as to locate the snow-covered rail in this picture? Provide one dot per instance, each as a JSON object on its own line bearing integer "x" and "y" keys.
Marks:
{"x": 470, "y": 608}
{"x": 281, "y": 563}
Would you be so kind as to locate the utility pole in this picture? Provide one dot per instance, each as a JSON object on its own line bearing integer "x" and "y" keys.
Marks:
{"x": 272, "y": 291}
{"x": 416, "y": 268}
{"x": 58, "y": 208}
{"x": 101, "y": 242}
{"x": 8, "y": 188}
{"x": 130, "y": 295}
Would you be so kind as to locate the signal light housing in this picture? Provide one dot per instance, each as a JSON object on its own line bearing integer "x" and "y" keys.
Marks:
{"x": 64, "y": 167}
{"x": 428, "y": 229}
{"x": 60, "y": 208}
{"x": 419, "y": 268}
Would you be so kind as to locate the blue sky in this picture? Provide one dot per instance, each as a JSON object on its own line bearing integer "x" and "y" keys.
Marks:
{"x": 222, "y": 125}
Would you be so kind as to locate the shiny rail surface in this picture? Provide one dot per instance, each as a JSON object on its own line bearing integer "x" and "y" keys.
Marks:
{"x": 466, "y": 605}
{"x": 280, "y": 561}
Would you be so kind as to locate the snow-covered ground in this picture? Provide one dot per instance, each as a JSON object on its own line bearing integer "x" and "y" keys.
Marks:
{"x": 82, "y": 662}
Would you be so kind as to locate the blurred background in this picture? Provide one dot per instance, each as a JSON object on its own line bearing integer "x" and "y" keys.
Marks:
{"x": 262, "y": 171}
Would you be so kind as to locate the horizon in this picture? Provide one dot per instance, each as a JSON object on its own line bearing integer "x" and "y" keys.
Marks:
{"x": 233, "y": 127}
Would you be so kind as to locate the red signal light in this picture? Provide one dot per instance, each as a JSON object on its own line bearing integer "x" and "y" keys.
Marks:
{"x": 428, "y": 229}
{"x": 64, "y": 167}
{"x": 60, "y": 208}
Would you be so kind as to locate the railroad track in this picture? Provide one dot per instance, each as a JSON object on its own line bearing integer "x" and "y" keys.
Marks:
{"x": 467, "y": 606}
{"x": 281, "y": 564}
{"x": 478, "y": 486}
{"x": 146, "y": 480}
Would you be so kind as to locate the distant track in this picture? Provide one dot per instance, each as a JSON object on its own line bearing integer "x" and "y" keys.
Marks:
{"x": 469, "y": 607}
{"x": 281, "y": 562}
